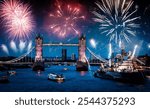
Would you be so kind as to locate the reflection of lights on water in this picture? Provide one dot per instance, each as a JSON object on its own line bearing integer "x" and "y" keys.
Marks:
{"x": 39, "y": 73}
{"x": 60, "y": 81}
{"x": 93, "y": 43}
{"x": 82, "y": 73}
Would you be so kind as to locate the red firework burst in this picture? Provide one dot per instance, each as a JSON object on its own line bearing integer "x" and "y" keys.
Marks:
{"x": 64, "y": 21}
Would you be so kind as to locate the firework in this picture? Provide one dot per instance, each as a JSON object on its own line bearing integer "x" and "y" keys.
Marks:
{"x": 149, "y": 46}
{"x": 134, "y": 51}
{"x": 4, "y": 48}
{"x": 93, "y": 43}
{"x": 13, "y": 46}
{"x": 116, "y": 19}
{"x": 110, "y": 51}
{"x": 65, "y": 20}
{"x": 22, "y": 45}
{"x": 29, "y": 46}
{"x": 17, "y": 18}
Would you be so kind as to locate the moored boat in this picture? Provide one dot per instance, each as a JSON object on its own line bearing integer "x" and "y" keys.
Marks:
{"x": 11, "y": 72}
{"x": 129, "y": 77}
{"x": 65, "y": 69}
{"x": 124, "y": 70}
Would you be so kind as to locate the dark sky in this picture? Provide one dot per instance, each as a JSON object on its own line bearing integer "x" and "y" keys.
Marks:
{"x": 41, "y": 8}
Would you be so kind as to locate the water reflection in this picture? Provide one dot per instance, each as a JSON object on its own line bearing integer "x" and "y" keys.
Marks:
{"x": 83, "y": 73}
{"x": 39, "y": 73}
{"x": 28, "y": 80}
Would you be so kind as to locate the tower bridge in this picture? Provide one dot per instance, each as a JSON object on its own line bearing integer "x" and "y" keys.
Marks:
{"x": 82, "y": 62}
{"x": 38, "y": 61}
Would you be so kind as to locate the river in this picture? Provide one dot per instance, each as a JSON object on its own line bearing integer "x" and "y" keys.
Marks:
{"x": 28, "y": 81}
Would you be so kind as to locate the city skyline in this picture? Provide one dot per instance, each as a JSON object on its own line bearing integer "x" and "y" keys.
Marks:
{"x": 74, "y": 45}
{"x": 40, "y": 10}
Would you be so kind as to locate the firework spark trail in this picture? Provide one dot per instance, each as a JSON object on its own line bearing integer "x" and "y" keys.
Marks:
{"x": 65, "y": 20}
{"x": 13, "y": 46}
{"x": 17, "y": 18}
{"x": 148, "y": 46}
{"x": 29, "y": 46}
{"x": 22, "y": 45}
{"x": 4, "y": 48}
{"x": 134, "y": 51}
{"x": 116, "y": 19}
{"x": 110, "y": 51}
{"x": 93, "y": 43}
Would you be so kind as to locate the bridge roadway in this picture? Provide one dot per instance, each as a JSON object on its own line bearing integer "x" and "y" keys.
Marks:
{"x": 60, "y": 44}
{"x": 47, "y": 63}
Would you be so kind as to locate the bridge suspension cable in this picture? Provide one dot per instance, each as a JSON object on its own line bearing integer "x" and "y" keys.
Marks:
{"x": 97, "y": 57}
{"x": 19, "y": 58}
{"x": 140, "y": 61}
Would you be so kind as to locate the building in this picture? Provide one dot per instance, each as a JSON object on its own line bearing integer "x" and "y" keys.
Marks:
{"x": 73, "y": 56}
{"x": 64, "y": 54}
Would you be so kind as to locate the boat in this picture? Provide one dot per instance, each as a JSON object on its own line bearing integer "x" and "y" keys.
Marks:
{"x": 56, "y": 77}
{"x": 128, "y": 77}
{"x": 11, "y": 72}
{"x": 127, "y": 70}
{"x": 65, "y": 69}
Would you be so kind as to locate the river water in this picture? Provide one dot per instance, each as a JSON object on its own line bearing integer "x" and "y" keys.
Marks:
{"x": 28, "y": 81}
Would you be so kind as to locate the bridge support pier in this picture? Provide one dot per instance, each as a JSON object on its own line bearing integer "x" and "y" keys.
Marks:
{"x": 39, "y": 63}
{"x": 82, "y": 63}
{"x": 38, "y": 66}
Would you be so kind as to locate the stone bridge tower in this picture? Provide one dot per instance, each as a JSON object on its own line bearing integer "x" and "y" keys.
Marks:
{"x": 38, "y": 48}
{"x": 82, "y": 64}
{"x": 38, "y": 63}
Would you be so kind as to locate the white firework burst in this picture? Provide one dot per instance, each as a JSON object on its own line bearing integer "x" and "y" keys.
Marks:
{"x": 117, "y": 19}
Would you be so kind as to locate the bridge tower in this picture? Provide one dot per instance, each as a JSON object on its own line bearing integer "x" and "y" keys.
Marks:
{"x": 38, "y": 48}
{"x": 38, "y": 63}
{"x": 82, "y": 64}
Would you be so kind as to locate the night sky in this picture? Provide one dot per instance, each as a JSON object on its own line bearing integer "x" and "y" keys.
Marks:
{"x": 41, "y": 10}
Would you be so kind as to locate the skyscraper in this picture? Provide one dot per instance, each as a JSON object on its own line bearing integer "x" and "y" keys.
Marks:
{"x": 64, "y": 54}
{"x": 73, "y": 56}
